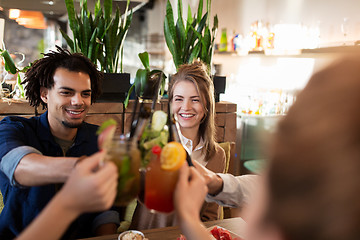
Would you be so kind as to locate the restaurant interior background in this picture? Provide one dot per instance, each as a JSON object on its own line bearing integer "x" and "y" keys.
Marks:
{"x": 273, "y": 47}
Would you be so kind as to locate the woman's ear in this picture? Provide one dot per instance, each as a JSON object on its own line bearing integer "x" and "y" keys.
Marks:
{"x": 43, "y": 94}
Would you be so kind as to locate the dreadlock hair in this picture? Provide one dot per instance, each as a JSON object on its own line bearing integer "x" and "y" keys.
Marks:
{"x": 42, "y": 71}
{"x": 197, "y": 73}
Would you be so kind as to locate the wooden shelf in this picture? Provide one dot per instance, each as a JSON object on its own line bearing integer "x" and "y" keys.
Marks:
{"x": 297, "y": 53}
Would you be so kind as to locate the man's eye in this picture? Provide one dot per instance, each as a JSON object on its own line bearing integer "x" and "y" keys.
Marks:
{"x": 65, "y": 93}
{"x": 86, "y": 94}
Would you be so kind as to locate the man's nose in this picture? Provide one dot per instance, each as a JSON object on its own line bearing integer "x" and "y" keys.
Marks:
{"x": 77, "y": 99}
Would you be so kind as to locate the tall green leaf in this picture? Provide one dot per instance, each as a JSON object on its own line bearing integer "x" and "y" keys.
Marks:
{"x": 71, "y": 13}
{"x": 144, "y": 57}
{"x": 200, "y": 8}
{"x": 9, "y": 62}
{"x": 189, "y": 20}
{"x": 107, "y": 10}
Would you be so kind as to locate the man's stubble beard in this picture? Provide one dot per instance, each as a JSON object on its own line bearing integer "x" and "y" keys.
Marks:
{"x": 72, "y": 125}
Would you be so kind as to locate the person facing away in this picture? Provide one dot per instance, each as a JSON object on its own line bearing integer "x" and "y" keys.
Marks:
{"x": 38, "y": 154}
{"x": 310, "y": 190}
{"x": 191, "y": 94}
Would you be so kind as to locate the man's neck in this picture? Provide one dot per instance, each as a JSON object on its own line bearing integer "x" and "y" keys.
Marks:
{"x": 64, "y": 133}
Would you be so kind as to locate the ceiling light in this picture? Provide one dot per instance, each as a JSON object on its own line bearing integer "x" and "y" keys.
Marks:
{"x": 29, "y": 19}
{"x": 51, "y": 2}
{"x": 14, "y": 13}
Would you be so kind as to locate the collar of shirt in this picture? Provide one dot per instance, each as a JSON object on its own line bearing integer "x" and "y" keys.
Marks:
{"x": 195, "y": 154}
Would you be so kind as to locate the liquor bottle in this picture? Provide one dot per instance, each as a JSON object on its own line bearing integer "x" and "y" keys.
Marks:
{"x": 223, "y": 41}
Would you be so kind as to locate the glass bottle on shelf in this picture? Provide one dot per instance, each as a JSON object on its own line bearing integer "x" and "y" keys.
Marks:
{"x": 223, "y": 41}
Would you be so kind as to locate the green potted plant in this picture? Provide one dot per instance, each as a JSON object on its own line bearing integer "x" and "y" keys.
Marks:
{"x": 193, "y": 40}
{"x": 146, "y": 81}
{"x": 100, "y": 36}
{"x": 11, "y": 68}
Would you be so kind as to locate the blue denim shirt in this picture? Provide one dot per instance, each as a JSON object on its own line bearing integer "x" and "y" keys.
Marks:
{"x": 18, "y": 137}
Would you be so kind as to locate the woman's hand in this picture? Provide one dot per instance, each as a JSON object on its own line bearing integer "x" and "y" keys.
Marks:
{"x": 90, "y": 187}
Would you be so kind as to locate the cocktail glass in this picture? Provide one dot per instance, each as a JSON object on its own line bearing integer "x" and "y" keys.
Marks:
{"x": 126, "y": 156}
{"x": 159, "y": 186}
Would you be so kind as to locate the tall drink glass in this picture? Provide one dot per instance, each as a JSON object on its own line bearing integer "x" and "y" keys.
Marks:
{"x": 126, "y": 156}
{"x": 159, "y": 185}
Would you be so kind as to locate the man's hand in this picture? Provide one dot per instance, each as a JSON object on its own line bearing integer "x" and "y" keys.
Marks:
{"x": 90, "y": 188}
{"x": 212, "y": 180}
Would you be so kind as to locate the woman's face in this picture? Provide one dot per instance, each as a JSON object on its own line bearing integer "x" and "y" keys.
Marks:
{"x": 186, "y": 105}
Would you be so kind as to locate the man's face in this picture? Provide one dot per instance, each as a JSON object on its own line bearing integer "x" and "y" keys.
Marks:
{"x": 68, "y": 101}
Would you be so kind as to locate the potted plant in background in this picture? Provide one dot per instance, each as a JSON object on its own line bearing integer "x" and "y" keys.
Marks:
{"x": 100, "y": 36}
{"x": 193, "y": 40}
{"x": 11, "y": 68}
{"x": 146, "y": 81}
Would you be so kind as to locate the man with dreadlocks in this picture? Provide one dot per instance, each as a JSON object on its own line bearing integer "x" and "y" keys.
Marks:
{"x": 38, "y": 154}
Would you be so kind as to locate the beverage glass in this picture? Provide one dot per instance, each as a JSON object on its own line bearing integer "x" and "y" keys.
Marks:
{"x": 126, "y": 157}
{"x": 159, "y": 186}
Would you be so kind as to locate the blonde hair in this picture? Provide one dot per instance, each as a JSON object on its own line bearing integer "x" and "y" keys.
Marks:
{"x": 197, "y": 74}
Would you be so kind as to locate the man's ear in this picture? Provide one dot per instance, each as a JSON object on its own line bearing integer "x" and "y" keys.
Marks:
{"x": 44, "y": 93}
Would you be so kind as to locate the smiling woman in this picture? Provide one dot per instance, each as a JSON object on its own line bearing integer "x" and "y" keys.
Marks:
{"x": 191, "y": 94}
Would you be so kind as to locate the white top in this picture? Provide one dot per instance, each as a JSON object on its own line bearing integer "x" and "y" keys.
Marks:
{"x": 195, "y": 154}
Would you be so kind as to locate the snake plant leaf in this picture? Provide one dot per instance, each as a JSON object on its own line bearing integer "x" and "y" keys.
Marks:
{"x": 9, "y": 62}
{"x": 216, "y": 25}
{"x": 68, "y": 40}
{"x": 180, "y": 31}
{"x": 194, "y": 53}
{"x": 107, "y": 10}
{"x": 189, "y": 20}
{"x": 97, "y": 9}
{"x": 202, "y": 23}
{"x": 87, "y": 35}
{"x": 205, "y": 45}
{"x": 71, "y": 13}
{"x": 168, "y": 38}
{"x": 200, "y": 8}
{"x": 208, "y": 9}
{"x": 180, "y": 28}
{"x": 144, "y": 57}
{"x": 172, "y": 30}
{"x": 92, "y": 43}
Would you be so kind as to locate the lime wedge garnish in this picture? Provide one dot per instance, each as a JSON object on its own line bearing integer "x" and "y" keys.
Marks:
{"x": 106, "y": 124}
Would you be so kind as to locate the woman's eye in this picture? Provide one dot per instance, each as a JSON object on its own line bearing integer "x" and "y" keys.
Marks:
{"x": 177, "y": 99}
{"x": 196, "y": 100}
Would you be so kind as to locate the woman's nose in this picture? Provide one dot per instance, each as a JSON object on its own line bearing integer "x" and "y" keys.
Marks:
{"x": 186, "y": 105}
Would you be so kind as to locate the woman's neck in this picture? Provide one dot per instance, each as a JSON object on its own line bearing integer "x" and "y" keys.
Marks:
{"x": 192, "y": 134}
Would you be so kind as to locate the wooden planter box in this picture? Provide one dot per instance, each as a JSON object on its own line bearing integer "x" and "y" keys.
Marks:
{"x": 115, "y": 87}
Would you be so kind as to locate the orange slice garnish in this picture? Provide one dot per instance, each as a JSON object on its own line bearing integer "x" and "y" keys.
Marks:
{"x": 172, "y": 156}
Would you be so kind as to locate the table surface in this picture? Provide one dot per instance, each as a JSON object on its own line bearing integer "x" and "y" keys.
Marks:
{"x": 234, "y": 225}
